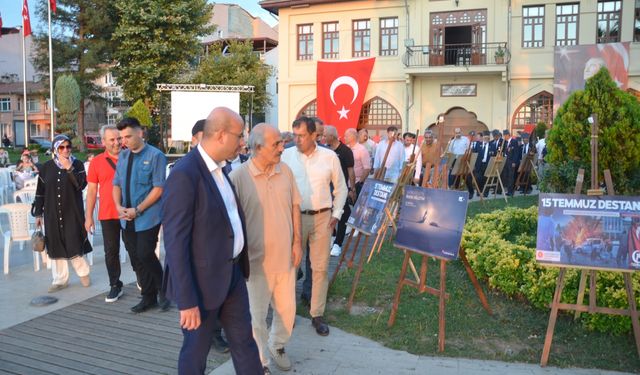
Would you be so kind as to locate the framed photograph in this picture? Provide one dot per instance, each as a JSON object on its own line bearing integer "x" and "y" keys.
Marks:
{"x": 431, "y": 221}
{"x": 589, "y": 231}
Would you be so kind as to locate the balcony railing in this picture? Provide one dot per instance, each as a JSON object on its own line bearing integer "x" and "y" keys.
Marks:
{"x": 456, "y": 54}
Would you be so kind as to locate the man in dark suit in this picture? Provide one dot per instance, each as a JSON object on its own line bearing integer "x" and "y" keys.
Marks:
{"x": 484, "y": 154}
{"x": 206, "y": 262}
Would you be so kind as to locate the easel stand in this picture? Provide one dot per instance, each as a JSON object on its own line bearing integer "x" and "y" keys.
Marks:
{"x": 578, "y": 307}
{"x": 493, "y": 177}
{"x": 524, "y": 173}
{"x": 421, "y": 285}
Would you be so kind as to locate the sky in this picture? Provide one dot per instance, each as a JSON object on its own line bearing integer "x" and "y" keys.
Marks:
{"x": 11, "y": 11}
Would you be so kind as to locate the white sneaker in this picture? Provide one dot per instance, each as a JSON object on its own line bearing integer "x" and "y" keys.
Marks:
{"x": 336, "y": 250}
{"x": 355, "y": 234}
{"x": 281, "y": 358}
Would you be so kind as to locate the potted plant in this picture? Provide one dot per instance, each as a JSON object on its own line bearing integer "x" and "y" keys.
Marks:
{"x": 499, "y": 56}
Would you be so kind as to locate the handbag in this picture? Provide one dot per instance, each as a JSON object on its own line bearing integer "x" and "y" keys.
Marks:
{"x": 38, "y": 241}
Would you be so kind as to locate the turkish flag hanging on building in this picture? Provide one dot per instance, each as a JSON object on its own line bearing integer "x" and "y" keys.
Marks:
{"x": 26, "y": 22}
{"x": 341, "y": 86}
{"x": 53, "y": 5}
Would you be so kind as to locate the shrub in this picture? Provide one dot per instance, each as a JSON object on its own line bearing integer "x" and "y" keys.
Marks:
{"x": 568, "y": 143}
{"x": 500, "y": 247}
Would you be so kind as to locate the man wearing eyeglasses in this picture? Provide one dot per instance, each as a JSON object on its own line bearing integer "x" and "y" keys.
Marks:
{"x": 206, "y": 244}
{"x": 137, "y": 187}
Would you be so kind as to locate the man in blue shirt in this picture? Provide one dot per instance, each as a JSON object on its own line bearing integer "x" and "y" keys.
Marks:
{"x": 137, "y": 187}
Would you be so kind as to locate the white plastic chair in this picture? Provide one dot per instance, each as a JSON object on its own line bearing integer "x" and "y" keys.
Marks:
{"x": 26, "y": 195}
{"x": 18, "y": 214}
{"x": 31, "y": 183}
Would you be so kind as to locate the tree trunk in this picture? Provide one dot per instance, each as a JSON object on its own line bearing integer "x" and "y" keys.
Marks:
{"x": 81, "y": 126}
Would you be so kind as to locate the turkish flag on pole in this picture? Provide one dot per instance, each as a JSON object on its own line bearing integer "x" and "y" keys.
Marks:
{"x": 26, "y": 23}
{"x": 0, "y": 25}
{"x": 53, "y": 5}
{"x": 341, "y": 86}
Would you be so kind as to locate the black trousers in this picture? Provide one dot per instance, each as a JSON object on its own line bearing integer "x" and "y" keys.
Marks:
{"x": 141, "y": 248}
{"x": 111, "y": 238}
{"x": 341, "y": 228}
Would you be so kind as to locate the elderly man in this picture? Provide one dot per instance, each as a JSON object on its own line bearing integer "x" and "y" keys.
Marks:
{"x": 137, "y": 187}
{"x": 430, "y": 156}
{"x": 207, "y": 257}
{"x": 409, "y": 140}
{"x": 361, "y": 158}
{"x": 269, "y": 196}
{"x": 395, "y": 158}
{"x": 458, "y": 146}
{"x": 101, "y": 173}
{"x": 346, "y": 163}
{"x": 368, "y": 143}
{"x": 315, "y": 168}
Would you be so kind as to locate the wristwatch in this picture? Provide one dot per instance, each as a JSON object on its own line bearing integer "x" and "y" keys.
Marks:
{"x": 138, "y": 212}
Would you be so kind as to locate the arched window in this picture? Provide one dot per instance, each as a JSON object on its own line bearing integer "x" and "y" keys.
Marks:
{"x": 309, "y": 110}
{"x": 538, "y": 108}
{"x": 377, "y": 115}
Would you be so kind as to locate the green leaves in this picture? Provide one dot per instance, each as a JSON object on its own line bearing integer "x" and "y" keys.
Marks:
{"x": 568, "y": 143}
{"x": 156, "y": 41}
{"x": 238, "y": 65}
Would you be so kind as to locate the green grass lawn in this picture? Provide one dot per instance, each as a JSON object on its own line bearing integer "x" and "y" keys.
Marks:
{"x": 515, "y": 332}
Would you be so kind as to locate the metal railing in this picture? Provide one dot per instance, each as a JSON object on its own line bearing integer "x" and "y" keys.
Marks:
{"x": 456, "y": 54}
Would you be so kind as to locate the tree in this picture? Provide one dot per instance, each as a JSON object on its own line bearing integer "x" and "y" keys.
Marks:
{"x": 141, "y": 113}
{"x": 541, "y": 128}
{"x": 618, "y": 114}
{"x": 156, "y": 41}
{"x": 67, "y": 96}
{"x": 238, "y": 66}
{"x": 82, "y": 44}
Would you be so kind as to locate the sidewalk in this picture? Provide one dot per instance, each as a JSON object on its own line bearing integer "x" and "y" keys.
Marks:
{"x": 342, "y": 353}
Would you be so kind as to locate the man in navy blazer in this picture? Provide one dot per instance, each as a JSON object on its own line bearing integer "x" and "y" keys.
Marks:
{"x": 206, "y": 254}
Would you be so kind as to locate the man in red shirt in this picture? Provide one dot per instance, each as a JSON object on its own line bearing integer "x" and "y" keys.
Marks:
{"x": 101, "y": 172}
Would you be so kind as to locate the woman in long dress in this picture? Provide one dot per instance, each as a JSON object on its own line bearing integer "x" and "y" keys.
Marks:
{"x": 59, "y": 199}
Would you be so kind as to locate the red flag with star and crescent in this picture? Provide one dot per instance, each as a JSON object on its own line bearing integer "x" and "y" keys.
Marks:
{"x": 26, "y": 22}
{"x": 53, "y": 5}
{"x": 341, "y": 87}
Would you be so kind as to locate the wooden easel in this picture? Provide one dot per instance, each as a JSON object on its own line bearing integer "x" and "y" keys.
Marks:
{"x": 422, "y": 287}
{"x": 524, "y": 172}
{"x": 578, "y": 307}
{"x": 406, "y": 176}
{"x": 492, "y": 173}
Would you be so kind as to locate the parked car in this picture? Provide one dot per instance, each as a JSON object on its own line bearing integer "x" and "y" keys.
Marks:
{"x": 42, "y": 142}
{"x": 590, "y": 245}
{"x": 93, "y": 142}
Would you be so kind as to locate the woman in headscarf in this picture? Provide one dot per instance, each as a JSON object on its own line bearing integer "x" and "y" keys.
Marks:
{"x": 59, "y": 199}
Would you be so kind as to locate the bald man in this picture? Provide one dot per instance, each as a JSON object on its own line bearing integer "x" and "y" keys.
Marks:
{"x": 200, "y": 208}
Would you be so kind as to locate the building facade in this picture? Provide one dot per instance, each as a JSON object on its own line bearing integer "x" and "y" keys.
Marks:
{"x": 12, "y": 112}
{"x": 474, "y": 64}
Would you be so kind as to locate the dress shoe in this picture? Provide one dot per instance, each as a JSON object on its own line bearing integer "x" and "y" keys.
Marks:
{"x": 220, "y": 344}
{"x": 321, "y": 327}
{"x": 143, "y": 306}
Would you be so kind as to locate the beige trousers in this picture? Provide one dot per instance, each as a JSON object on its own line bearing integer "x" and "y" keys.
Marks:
{"x": 279, "y": 290}
{"x": 315, "y": 230}
{"x": 60, "y": 269}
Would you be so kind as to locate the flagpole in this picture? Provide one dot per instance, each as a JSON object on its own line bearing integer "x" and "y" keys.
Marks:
{"x": 24, "y": 86}
{"x": 52, "y": 105}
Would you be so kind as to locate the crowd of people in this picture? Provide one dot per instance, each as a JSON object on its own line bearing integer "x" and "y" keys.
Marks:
{"x": 238, "y": 230}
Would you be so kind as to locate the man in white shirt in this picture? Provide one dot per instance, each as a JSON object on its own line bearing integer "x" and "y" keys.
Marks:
{"x": 315, "y": 168}
{"x": 458, "y": 146}
{"x": 394, "y": 159}
{"x": 411, "y": 148}
{"x": 540, "y": 145}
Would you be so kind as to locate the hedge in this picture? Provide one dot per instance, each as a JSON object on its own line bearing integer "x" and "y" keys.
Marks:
{"x": 500, "y": 247}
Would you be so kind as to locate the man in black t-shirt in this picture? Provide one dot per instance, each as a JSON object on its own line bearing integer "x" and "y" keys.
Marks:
{"x": 346, "y": 162}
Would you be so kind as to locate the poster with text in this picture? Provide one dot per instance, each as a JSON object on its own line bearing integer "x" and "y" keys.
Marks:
{"x": 431, "y": 221}
{"x": 588, "y": 231}
{"x": 368, "y": 212}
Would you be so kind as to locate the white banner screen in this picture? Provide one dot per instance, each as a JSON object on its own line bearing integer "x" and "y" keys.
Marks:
{"x": 188, "y": 107}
